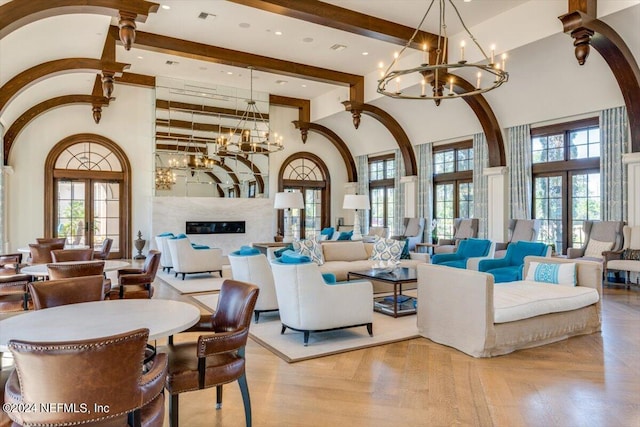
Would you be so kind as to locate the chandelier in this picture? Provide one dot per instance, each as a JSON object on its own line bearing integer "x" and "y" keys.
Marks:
{"x": 252, "y": 133}
{"x": 165, "y": 178}
{"x": 444, "y": 84}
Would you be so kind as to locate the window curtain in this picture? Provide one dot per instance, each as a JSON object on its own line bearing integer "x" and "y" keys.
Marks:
{"x": 519, "y": 163}
{"x": 362, "y": 167}
{"x": 425, "y": 187}
{"x": 480, "y": 183}
{"x": 614, "y": 140}
{"x": 398, "y": 193}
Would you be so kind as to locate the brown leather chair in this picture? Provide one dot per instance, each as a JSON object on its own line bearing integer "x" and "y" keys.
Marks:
{"x": 92, "y": 268}
{"x": 64, "y": 255}
{"x": 58, "y": 240}
{"x": 52, "y": 293}
{"x": 216, "y": 358}
{"x": 13, "y": 284}
{"x": 5, "y": 421}
{"x": 105, "y": 249}
{"x": 84, "y": 373}
{"x": 41, "y": 252}
{"x": 137, "y": 282}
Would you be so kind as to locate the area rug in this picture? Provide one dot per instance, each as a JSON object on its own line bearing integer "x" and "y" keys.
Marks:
{"x": 290, "y": 347}
{"x": 195, "y": 283}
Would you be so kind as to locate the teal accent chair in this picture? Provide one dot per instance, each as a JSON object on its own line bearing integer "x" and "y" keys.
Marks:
{"x": 509, "y": 268}
{"x": 467, "y": 249}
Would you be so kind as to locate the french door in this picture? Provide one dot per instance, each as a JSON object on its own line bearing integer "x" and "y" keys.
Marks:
{"x": 307, "y": 222}
{"x": 87, "y": 211}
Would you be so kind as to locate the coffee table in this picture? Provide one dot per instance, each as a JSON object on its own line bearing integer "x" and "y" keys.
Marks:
{"x": 399, "y": 304}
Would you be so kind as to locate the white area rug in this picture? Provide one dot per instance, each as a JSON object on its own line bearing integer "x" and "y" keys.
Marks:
{"x": 290, "y": 346}
{"x": 196, "y": 283}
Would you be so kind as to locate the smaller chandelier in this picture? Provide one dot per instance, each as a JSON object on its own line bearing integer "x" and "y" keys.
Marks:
{"x": 165, "y": 178}
{"x": 439, "y": 75}
{"x": 252, "y": 133}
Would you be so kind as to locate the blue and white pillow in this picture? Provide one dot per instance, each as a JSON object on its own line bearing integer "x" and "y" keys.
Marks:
{"x": 310, "y": 248}
{"x": 387, "y": 249}
{"x": 556, "y": 273}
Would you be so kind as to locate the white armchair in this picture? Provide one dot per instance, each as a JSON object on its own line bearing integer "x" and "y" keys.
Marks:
{"x": 255, "y": 269}
{"x": 187, "y": 260}
{"x": 165, "y": 257}
{"x": 307, "y": 304}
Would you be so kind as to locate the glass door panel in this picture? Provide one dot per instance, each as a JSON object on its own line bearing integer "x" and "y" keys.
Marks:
{"x": 106, "y": 214}
{"x": 444, "y": 210}
{"x": 312, "y": 212}
{"x": 71, "y": 214}
{"x": 548, "y": 207}
{"x": 585, "y": 203}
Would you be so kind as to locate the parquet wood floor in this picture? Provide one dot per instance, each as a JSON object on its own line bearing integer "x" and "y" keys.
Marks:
{"x": 590, "y": 380}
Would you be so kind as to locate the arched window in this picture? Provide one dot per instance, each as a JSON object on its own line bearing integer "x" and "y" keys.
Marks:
{"x": 306, "y": 173}
{"x": 88, "y": 192}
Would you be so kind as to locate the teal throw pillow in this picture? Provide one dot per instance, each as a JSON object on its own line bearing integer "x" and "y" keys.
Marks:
{"x": 248, "y": 250}
{"x": 327, "y": 231}
{"x": 329, "y": 278}
{"x": 291, "y": 257}
{"x": 345, "y": 235}
{"x": 405, "y": 251}
{"x": 278, "y": 253}
{"x": 165, "y": 235}
{"x": 196, "y": 246}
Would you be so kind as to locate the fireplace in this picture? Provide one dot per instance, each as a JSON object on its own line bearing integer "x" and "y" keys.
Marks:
{"x": 215, "y": 227}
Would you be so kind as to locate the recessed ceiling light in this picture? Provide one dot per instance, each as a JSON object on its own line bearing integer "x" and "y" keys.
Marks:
{"x": 140, "y": 57}
{"x": 244, "y": 25}
{"x": 338, "y": 47}
{"x": 303, "y": 85}
{"x": 365, "y": 53}
{"x": 467, "y": 1}
{"x": 205, "y": 15}
{"x": 307, "y": 39}
{"x": 230, "y": 73}
{"x": 169, "y": 62}
{"x": 166, "y": 7}
{"x": 278, "y": 33}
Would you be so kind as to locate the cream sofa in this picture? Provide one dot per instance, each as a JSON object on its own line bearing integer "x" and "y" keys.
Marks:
{"x": 465, "y": 310}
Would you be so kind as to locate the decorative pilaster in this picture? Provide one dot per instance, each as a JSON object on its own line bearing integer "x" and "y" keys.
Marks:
{"x": 632, "y": 163}
{"x": 497, "y": 203}
{"x": 410, "y": 188}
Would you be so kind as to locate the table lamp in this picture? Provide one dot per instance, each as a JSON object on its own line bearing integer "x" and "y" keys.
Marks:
{"x": 356, "y": 201}
{"x": 288, "y": 200}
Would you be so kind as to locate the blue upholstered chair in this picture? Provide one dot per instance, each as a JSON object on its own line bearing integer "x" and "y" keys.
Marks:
{"x": 509, "y": 268}
{"x": 467, "y": 249}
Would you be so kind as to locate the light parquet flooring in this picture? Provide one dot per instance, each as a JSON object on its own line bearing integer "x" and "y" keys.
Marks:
{"x": 591, "y": 380}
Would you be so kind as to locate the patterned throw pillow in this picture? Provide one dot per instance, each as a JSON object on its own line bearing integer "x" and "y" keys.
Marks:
{"x": 595, "y": 248}
{"x": 310, "y": 248}
{"x": 631, "y": 254}
{"x": 555, "y": 273}
{"x": 387, "y": 249}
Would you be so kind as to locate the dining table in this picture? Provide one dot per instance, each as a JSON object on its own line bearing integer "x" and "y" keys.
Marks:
{"x": 96, "y": 319}
{"x": 27, "y": 250}
{"x": 41, "y": 270}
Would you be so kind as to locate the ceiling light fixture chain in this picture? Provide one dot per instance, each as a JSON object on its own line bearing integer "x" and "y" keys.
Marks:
{"x": 441, "y": 72}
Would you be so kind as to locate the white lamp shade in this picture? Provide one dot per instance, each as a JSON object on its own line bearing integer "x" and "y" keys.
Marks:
{"x": 356, "y": 201}
{"x": 288, "y": 200}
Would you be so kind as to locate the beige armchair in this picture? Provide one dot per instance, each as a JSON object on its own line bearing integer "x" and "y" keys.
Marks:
{"x": 413, "y": 231}
{"x": 463, "y": 228}
{"x": 519, "y": 230}
{"x": 600, "y": 236}
{"x": 628, "y": 258}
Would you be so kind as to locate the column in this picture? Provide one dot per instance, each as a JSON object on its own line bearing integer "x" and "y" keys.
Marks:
{"x": 497, "y": 201}
{"x": 410, "y": 188}
{"x": 632, "y": 163}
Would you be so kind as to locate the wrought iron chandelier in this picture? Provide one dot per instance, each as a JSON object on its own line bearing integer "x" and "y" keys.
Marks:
{"x": 252, "y": 134}
{"x": 489, "y": 74}
{"x": 165, "y": 178}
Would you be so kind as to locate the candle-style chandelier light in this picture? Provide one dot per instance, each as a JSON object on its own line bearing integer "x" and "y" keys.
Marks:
{"x": 489, "y": 74}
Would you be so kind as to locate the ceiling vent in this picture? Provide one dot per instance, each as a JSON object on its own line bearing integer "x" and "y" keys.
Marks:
{"x": 169, "y": 62}
{"x": 205, "y": 15}
{"x": 338, "y": 47}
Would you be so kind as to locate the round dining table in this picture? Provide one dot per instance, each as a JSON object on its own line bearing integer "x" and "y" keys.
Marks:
{"x": 90, "y": 320}
{"x": 40, "y": 270}
{"x": 27, "y": 250}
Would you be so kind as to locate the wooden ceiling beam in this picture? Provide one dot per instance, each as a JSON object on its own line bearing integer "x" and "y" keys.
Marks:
{"x": 163, "y": 104}
{"x": 328, "y": 15}
{"x": 303, "y": 105}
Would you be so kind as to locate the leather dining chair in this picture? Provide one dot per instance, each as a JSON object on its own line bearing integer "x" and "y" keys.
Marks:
{"x": 217, "y": 357}
{"x": 13, "y": 285}
{"x": 52, "y": 293}
{"x": 56, "y": 240}
{"x": 63, "y": 255}
{"x": 105, "y": 249}
{"x": 41, "y": 252}
{"x": 81, "y": 373}
{"x": 92, "y": 268}
{"x": 137, "y": 282}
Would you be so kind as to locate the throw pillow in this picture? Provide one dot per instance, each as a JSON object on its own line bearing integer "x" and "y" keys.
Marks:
{"x": 248, "y": 250}
{"x": 387, "y": 249}
{"x": 556, "y": 273}
{"x": 165, "y": 235}
{"x": 327, "y": 232}
{"x": 595, "y": 248}
{"x": 291, "y": 257}
{"x": 631, "y": 254}
{"x": 329, "y": 278}
{"x": 345, "y": 235}
{"x": 278, "y": 253}
{"x": 310, "y": 248}
{"x": 405, "y": 251}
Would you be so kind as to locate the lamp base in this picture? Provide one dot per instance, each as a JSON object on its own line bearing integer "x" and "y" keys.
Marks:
{"x": 356, "y": 227}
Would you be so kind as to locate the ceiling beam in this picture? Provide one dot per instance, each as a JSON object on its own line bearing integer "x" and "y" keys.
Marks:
{"x": 163, "y": 104}
{"x": 328, "y": 15}
{"x": 303, "y": 105}
{"x": 234, "y": 58}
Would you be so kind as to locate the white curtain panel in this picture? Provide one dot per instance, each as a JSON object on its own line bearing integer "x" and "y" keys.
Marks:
{"x": 425, "y": 187}
{"x": 398, "y": 223}
{"x": 614, "y": 142}
{"x": 362, "y": 167}
{"x": 480, "y": 183}
{"x": 519, "y": 163}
